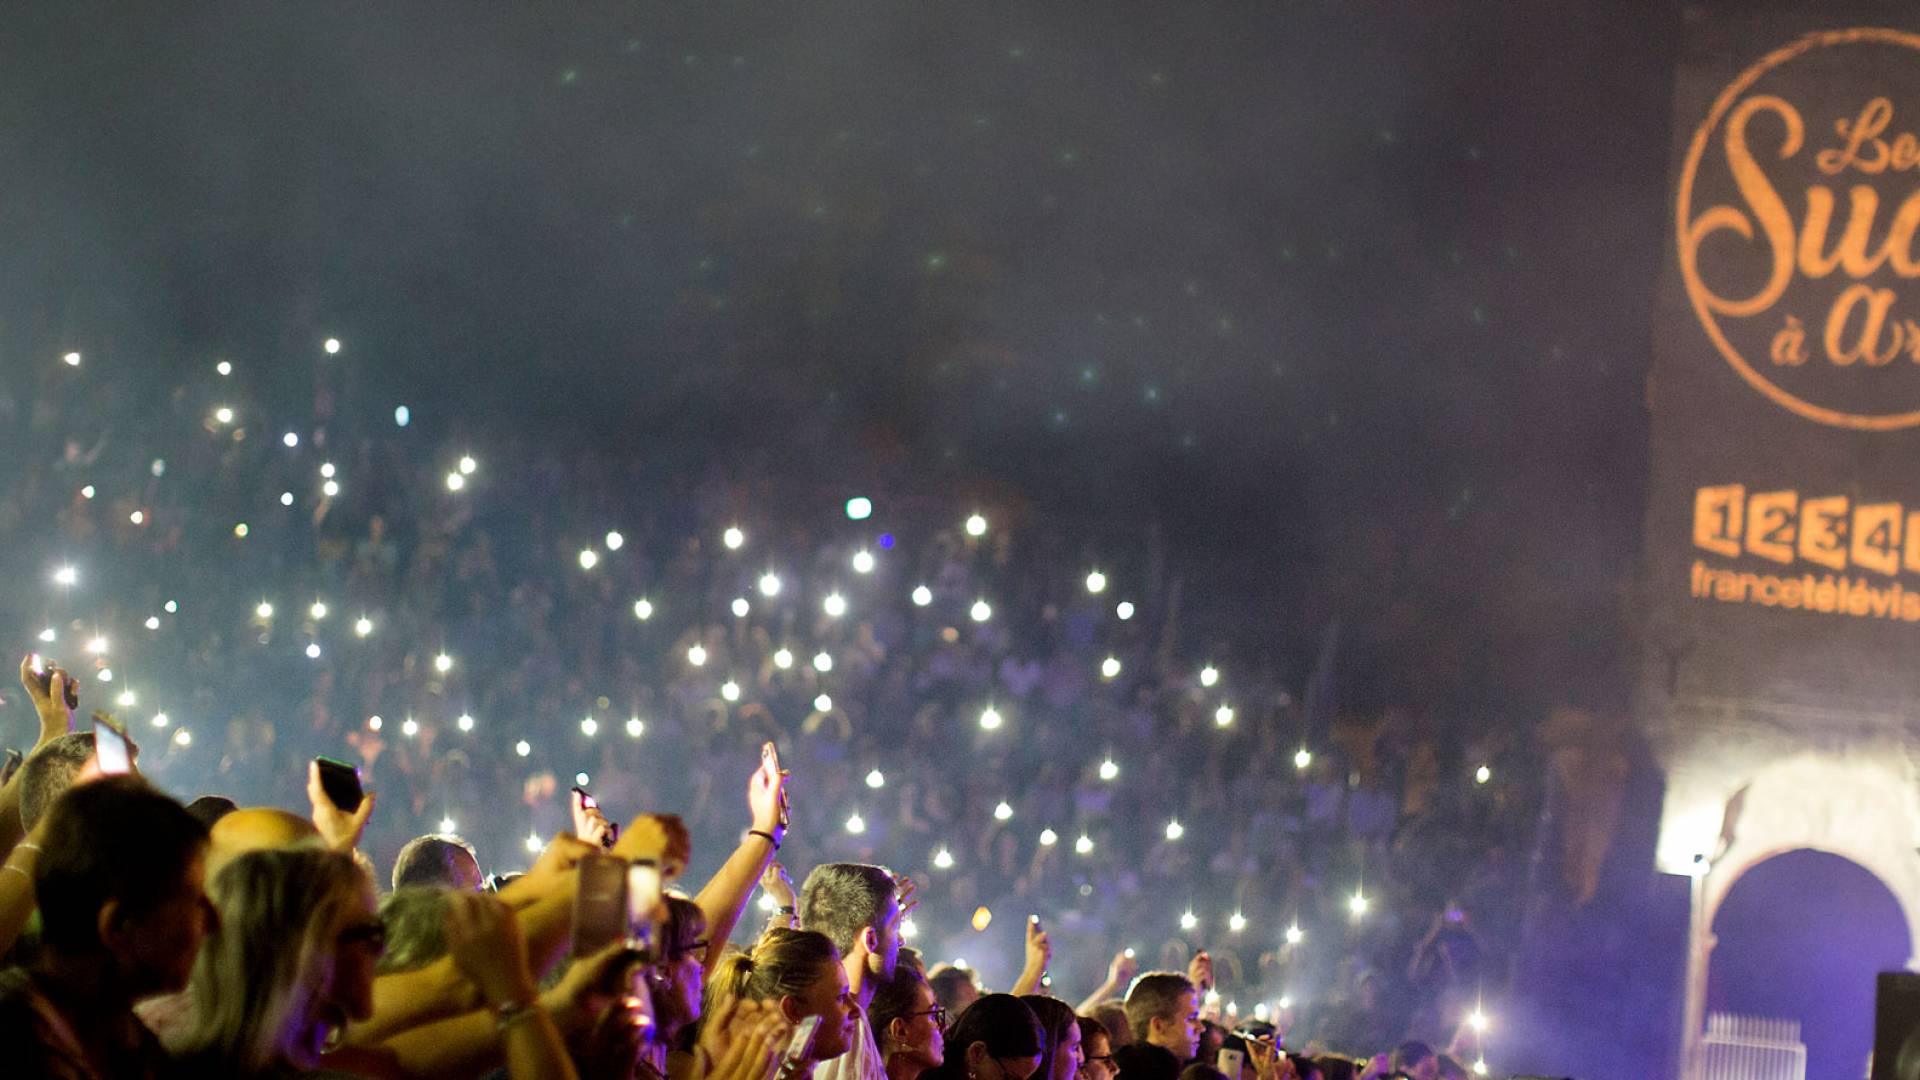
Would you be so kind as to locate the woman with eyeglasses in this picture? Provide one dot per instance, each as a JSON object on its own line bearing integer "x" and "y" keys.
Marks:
{"x": 1096, "y": 1050}
{"x": 1061, "y": 1056}
{"x": 909, "y": 1023}
{"x": 997, "y": 1038}
{"x": 289, "y": 963}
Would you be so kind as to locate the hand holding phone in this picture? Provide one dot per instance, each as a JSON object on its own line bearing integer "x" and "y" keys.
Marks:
{"x": 341, "y": 782}
{"x": 110, "y": 746}
{"x": 590, "y": 823}
{"x": 800, "y": 1047}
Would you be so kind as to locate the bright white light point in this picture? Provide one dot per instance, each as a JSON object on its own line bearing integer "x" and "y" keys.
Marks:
{"x": 171, "y": 606}
{"x": 697, "y": 655}
{"x": 223, "y": 415}
{"x": 1479, "y": 1066}
{"x": 363, "y": 626}
{"x": 126, "y": 698}
{"x": 464, "y": 723}
{"x": 730, "y": 690}
{"x": 1295, "y": 936}
{"x": 72, "y": 359}
{"x": 332, "y": 346}
{"x": 733, "y": 538}
{"x": 922, "y": 596}
{"x": 153, "y": 623}
{"x": 1358, "y": 905}
{"x": 822, "y": 662}
{"x": 783, "y": 658}
{"x": 1096, "y": 582}
{"x": 374, "y": 723}
{"x": 582, "y": 779}
{"x": 990, "y": 719}
{"x": 943, "y": 859}
{"x": 534, "y": 844}
{"x": 523, "y": 748}
{"x": 859, "y": 509}
{"x": 1286, "y": 1002}
{"x": 443, "y": 663}
{"x": 241, "y": 530}
{"x": 264, "y": 611}
{"x": 87, "y": 492}
{"x": 290, "y": 440}
{"x": 183, "y": 737}
{"x": 1110, "y": 667}
{"x": 1124, "y": 610}
{"x": 330, "y": 488}
{"x": 1209, "y": 675}
{"x": 876, "y": 779}
{"x": 467, "y": 465}
{"x": 1260, "y": 1011}
{"x": 409, "y": 727}
{"x": 223, "y": 367}
{"x": 1478, "y": 1021}
{"x": 1003, "y": 812}
{"x": 138, "y": 517}
{"x": 1084, "y": 845}
{"x": 1108, "y": 770}
{"x": 643, "y": 610}
{"x": 455, "y": 481}
{"x": 97, "y": 645}
{"x": 823, "y": 703}
{"x": 589, "y": 727}
{"x": 66, "y": 575}
{"x": 1236, "y": 923}
{"x": 976, "y": 526}
{"x": 402, "y": 416}
{"x": 1223, "y": 716}
{"x": 313, "y": 650}
{"x": 834, "y": 605}
{"x": 589, "y": 558}
{"x": 446, "y": 825}
{"x": 856, "y": 824}
{"x": 318, "y": 610}
{"x": 286, "y": 498}
{"x": 634, "y": 727}
{"x": 326, "y": 471}
{"x": 863, "y": 562}
{"x": 1175, "y": 830}
{"x": 981, "y": 611}
{"x": 909, "y": 929}
{"x": 615, "y": 541}
{"x": 1303, "y": 758}
{"x": 48, "y": 635}
{"x": 1482, "y": 774}
{"x": 1048, "y": 838}
{"x": 161, "y": 719}
{"x": 1188, "y": 920}
{"x": 741, "y": 607}
{"x": 106, "y": 675}
{"x": 769, "y": 585}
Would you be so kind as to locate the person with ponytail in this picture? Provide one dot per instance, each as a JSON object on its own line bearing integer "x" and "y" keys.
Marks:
{"x": 800, "y": 973}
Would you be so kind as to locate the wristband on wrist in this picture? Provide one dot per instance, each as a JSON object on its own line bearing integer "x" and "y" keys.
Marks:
{"x": 767, "y": 836}
{"x": 787, "y": 910}
{"x": 514, "y": 1012}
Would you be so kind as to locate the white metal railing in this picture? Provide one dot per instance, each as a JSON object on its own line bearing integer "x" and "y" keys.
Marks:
{"x": 1752, "y": 1048}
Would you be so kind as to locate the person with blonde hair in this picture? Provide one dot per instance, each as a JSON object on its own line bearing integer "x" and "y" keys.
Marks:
{"x": 800, "y": 973}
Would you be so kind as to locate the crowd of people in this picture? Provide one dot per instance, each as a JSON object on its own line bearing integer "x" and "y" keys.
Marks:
{"x": 1010, "y": 709}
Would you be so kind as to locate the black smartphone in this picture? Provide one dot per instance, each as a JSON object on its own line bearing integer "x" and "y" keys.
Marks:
{"x": 341, "y": 782}
{"x": 600, "y": 904}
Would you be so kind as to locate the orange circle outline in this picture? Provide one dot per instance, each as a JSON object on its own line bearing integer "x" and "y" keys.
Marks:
{"x": 1695, "y": 150}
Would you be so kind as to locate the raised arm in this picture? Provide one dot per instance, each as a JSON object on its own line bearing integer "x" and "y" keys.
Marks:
{"x": 724, "y": 899}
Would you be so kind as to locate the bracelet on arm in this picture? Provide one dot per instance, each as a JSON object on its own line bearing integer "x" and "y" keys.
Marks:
{"x": 512, "y": 1014}
{"x": 767, "y": 836}
{"x": 785, "y": 911}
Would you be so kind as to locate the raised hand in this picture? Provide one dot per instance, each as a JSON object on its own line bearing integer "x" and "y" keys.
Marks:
{"x": 54, "y": 700}
{"x": 1121, "y": 971}
{"x": 590, "y": 823}
{"x": 484, "y": 939}
{"x": 1200, "y": 971}
{"x": 339, "y": 829}
{"x": 1039, "y": 946}
{"x": 775, "y": 882}
{"x": 767, "y": 794}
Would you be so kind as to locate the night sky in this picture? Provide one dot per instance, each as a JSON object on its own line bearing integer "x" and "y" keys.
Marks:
{"x": 1352, "y": 299}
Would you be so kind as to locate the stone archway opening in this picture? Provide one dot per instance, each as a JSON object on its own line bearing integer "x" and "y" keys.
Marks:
{"x": 1800, "y": 936}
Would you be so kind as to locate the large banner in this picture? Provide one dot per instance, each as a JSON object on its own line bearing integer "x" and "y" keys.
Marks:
{"x": 1783, "y": 539}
